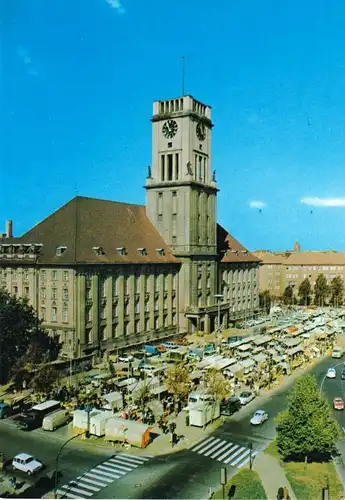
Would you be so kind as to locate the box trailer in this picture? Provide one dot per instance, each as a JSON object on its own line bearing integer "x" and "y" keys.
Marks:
{"x": 203, "y": 413}
{"x": 127, "y": 431}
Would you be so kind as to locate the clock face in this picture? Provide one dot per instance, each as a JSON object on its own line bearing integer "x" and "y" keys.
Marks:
{"x": 169, "y": 129}
{"x": 201, "y": 131}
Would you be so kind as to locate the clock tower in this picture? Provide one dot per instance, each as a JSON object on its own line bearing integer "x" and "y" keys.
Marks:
{"x": 181, "y": 194}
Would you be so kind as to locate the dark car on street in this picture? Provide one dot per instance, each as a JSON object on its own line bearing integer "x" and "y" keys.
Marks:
{"x": 230, "y": 406}
{"x": 343, "y": 375}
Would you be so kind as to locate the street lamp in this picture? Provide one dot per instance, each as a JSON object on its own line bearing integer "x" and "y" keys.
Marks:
{"x": 219, "y": 296}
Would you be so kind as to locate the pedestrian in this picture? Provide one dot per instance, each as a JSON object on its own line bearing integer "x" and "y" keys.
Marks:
{"x": 280, "y": 494}
{"x": 286, "y": 494}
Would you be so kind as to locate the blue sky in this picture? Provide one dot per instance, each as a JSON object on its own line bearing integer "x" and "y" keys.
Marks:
{"x": 78, "y": 78}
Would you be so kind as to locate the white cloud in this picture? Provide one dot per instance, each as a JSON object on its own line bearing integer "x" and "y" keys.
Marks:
{"x": 257, "y": 204}
{"x": 314, "y": 201}
{"x": 116, "y": 4}
{"x": 23, "y": 54}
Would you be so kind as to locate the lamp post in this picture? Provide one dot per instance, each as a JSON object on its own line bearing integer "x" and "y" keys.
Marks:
{"x": 219, "y": 296}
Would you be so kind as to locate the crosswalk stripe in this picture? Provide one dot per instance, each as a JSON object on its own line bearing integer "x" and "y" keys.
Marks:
{"x": 226, "y": 461}
{"x": 241, "y": 457}
{"x": 115, "y": 463}
{"x": 104, "y": 473}
{"x": 200, "y": 445}
{"x": 215, "y": 448}
{"x": 108, "y": 468}
{"x": 221, "y": 450}
{"x": 65, "y": 494}
{"x": 83, "y": 484}
{"x": 91, "y": 481}
{"x": 91, "y": 474}
{"x": 246, "y": 460}
{"x": 128, "y": 461}
{"x": 133, "y": 457}
{"x": 227, "y": 452}
{"x": 208, "y": 446}
{"x": 77, "y": 490}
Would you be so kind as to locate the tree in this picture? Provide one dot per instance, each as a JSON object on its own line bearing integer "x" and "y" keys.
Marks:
{"x": 216, "y": 385}
{"x": 306, "y": 429}
{"x": 304, "y": 291}
{"x": 288, "y": 295}
{"x": 22, "y": 338}
{"x": 143, "y": 394}
{"x": 321, "y": 290}
{"x": 44, "y": 378}
{"x": 337, "y": 291}
{"x": 177, "y": 381}
{"x": 265, "y": 300}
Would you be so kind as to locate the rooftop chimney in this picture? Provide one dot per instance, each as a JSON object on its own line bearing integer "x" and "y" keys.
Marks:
{"x": 9, "y": 229}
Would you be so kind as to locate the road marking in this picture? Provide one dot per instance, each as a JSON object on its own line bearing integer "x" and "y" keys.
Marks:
{"x": 91, "y": 474}
{"x": 200, "y": 445}
{"x": 241, "y": 457}
{"x": 124, "y": 466}
{"x": 104, "y": 473}
{"x": 77, "y": 490}
{"x": 245, "y": 461}
{"x": 234, "y": 455}
{"x": 215, "y": 448}
{"x": 128, "y": 461}
{"x": 116, "y": 464}
{"x": 63, "y": 494}
{"x": 208, "y": 446}
{"x": 221, "y": 450}
{"x": 91, "y": 481}
{"x": 109, "y": 468}
{"x": 227, "y": 453}
{"x": 133, "y": 457}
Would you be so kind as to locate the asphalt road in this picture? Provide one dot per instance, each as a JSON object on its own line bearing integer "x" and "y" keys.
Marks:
{"x": 185, "y": 474}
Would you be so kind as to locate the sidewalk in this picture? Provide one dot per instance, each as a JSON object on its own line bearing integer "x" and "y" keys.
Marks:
{"x": 272, "y": 475}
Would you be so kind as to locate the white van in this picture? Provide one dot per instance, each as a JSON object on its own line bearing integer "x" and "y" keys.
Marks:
{"x": 198, "y": 397}
{"x": 55, "y": 420}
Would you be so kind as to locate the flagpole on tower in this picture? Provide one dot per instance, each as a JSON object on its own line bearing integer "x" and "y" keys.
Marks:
{"x": 183, "y": 75}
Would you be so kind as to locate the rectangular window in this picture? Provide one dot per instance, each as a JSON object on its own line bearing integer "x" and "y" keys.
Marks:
{"x": 65, "y": 294}
{"x": 103, "y": 312}
{"x": 65, "y": 275}
{"x": 126, "y": 308}
{"x": 170, "y": 167}
{"x": 127, "y": 285}
{"x": 89, "y": 293}
{"x": 54, "y": 275}
{"x": 137, "y": 327}
{"x": 43, "y": 275}
{"x": 43, "y": 313}
{"x": 54, "y": 293}
{"x": 174, "y": 202}
{"x": 54, "y": 313}
{"x": 15, "y": 290}
{"x": 114, "y": 311}
{"x": 137, "y": 284}
{"x": 65, "y": 315}
{"x": 26, "y": 291}
{"x": 177, "y": 166}
{"x": 205, "y": 169}
{"x": 156, "y": 278}
{"x": 103, "y": 288}
{"x": 147, "y": 306}
{"x": 137, "y": 307}
{"x": 43, "y": 293}
{"x": 200, "y": 169}
{"x": 26, "y": 274}
{"x": 162, "y": 167}
{"x": 160, "y": 204}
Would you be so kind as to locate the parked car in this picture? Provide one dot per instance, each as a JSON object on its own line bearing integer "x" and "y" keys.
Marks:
{"x": 26, "y": 463}
{"x": 331, "y": 373}
{"x": 246, "y": 397}
{"x": 259, "y": 417}
{"x": 338, "y": 403}
{"x": 343, "y": 375}
{"x": 230, "y": 406}
{"x": 126, "y": 358}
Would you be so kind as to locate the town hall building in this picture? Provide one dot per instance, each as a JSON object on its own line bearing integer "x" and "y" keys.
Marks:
{"x": 105, "y": 275}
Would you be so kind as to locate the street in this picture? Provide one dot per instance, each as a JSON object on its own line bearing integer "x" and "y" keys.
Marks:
{"x": 185, "y": 474}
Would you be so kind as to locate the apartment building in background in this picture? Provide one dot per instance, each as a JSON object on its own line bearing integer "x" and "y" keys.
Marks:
{"x": 105, "y": 275}
{"x": 281, "y": 269}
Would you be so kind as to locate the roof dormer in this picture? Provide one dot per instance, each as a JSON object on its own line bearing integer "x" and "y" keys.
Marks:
{"x": 98, "y": 251}
{"x": 60, "y": 250}
{"x": 121, "y": 251}
{"x": 142, "y": 251}
{"x": 160, "y": 251}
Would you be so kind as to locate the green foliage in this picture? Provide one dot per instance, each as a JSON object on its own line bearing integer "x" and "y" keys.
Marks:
{"x": 44, "y": 378}
{"x": 177, "y": 380}
{"x": 265, "y": 300}
{"x": 217, "y": 385}
{"x": 143, "y": 395}
{"x": 288, "y": 294}
{"x": 246, "y": 484}
{"x": 23, "y": 342}
{"x": 321, "y": 290}
{"x": 304, "y": 291}
{"x": 307, "y": 429}
{"x": 337, "y": 291}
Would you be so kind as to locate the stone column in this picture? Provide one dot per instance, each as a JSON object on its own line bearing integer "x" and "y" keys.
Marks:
{"x": 95, "y": 308}
{"x": 79, "y": 290}
{"x": 207, "y": 323}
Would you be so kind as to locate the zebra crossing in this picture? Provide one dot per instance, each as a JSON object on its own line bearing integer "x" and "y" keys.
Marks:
{"x": 101, "y": 476}
{"x": 228, "y": 453}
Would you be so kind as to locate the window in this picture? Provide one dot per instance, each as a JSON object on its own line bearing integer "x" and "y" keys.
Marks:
{"x": 162, "y": 167}
{"x": 170, "y": 167}
{"x": 137, "y": 284}
{"x": 43, "y": 293}
{"x": 26, "y": 291}
{"x": 103, "y": 312}
{"x": 137, "y": 307}
{"x": 176, "y": 166}
{"x": 137, "y": 327}
{"x": 65, "y": 315}
{"x": 103, "y": 287}
{"x": 156, "y": 278}
{"x": 160, "y": 204}
{"x": 65, "y": 275}
{"x": 65, "y": 294}
{"x": 14, "y": 275}
{"x": 89, "y": 293}
{"x": 156, "y": 305}
{"x": 54, "y": 275}
{"x": 54, "y": 293}
{"x": 127, "y": 308}
{"x": 114, "y": 311}
{"x": 43, "y": 275}
{"x": 103, "y": 333}
{"x": 43, "y": 313}
{"x": 89, "y": 314}
{"x": 127, "y": 285}
{"x": 147, "y": 304}
{"x": 54, "y": 313}
{"x": 15, "y": 290}
{"x": 25, "y": 274}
